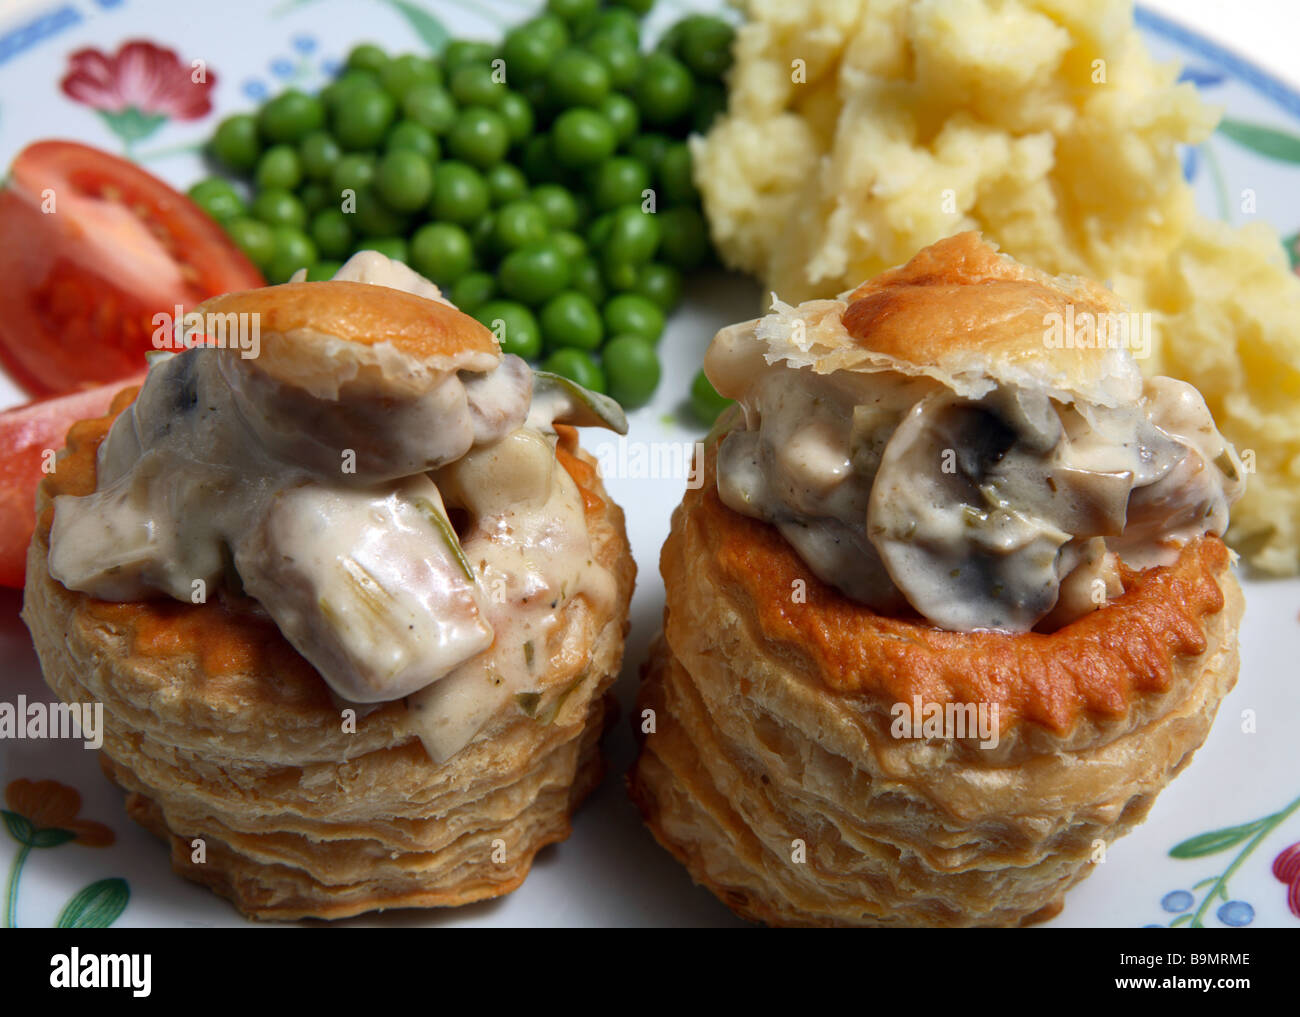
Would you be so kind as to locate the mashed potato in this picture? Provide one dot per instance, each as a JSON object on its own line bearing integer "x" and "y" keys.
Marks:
{"x": 859, "y": 131}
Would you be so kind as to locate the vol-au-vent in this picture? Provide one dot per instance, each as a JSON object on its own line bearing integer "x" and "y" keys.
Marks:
{"x": 351, "y": 605}
{"x": 949, "y": 610}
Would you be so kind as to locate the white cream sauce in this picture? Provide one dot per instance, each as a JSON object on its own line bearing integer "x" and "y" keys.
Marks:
{"x": 973, "y": 512}
{"x": 330, "y": 513}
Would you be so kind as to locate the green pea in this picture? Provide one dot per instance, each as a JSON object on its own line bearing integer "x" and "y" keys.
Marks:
{"x": 665, "y": 90}
{"x": 315, "y": 196}
{"x": 367, "y": 56}
{"x": 279, "y": 168}
{"x": 621, "y": 276}
{"x": 531, "y": 48}
{"x": 460, "y": 52}
{"x": 676, "y": 184}
{"x": 570, "y": 245}
{"x": 235, "y": 143}
{"x": 290, "y": 116}
{"x": 559, "y": 205}
{"x": 404, "y": 180}
{"x": 506, "y": 183}
{"x": 621, "y": 180}
{"x": 514, "y": 325}
{"x": 683, "y": 237}
{"x": 352, "y": 172}
{"x": 660, "y": 283}
{"x": 323, "y": 271}
{"x": 706, "y": 403}
{"x": 550, "y": 28}
{"x": 331, "y": 233}
{"x": 587, "y": 279}
{"x": 389, "y": 247}
{"x": 710, "y": 103}
{"x": 620, "y": 22}
{"x": 409, "y": 136}
{"x": 633, "y": 314}
{"x": 479, "y": 137}
{"x": 318, "y": 153}
{"x": 573, "y": 11}
{"x": 622, "y": 114}
{"x": 519, "y": 224}
{"x": 582, "y": 137}
{"x": 598, "y": 231}
{"x": 572, "y": 319}
{"x": 576, "y": 365}
{"x": 403, "y": 73}
{"x": 218, "y": 197}
{"x": 373, "y": 218}
{"x": 518, "y": 115}
{"x": 293, "y": 250}
{"x": 431, "y": 106}
{"x": 441, "y": 251}
{"x": 460, "y": 194}
{"x": 483, "y": 235}
{"x": 649, "y": 148}
{"x": 278, "y": 207}
{"x": 476, "y": 85}
{"x": 638, "y": 7}
{"x": 538, "y": 160}
{"x": 632, "y": 369}
{"x": 577, "y": 79}
{"x": 534, "y": 274}
{"x": 333, "y": 94}
{"x": 538, "y": 95}
{"x": 363, "y": 117}
{"x": 705, "y": 45}
{"x": 472, "y": 290}
{"x": 633, "y": 237}
{"x": 254, "y": 238}
{"x": 621, "y": 59}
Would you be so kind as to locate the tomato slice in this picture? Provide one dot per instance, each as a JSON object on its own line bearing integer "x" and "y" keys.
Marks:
{"x": 91, "y": 248}
{"x": 26, "y": 433}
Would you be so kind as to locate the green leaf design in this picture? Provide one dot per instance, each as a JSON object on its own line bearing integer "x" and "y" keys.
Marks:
{"x": 51, "y": 836}
{"x": 426, "y": 26}
{"x": 97, "y": 906}
{"x": 1181, "y": 919}
{"x": 131, "y": 125}
{"x": 20, "y": 827}
{"x": 1268, "y": 142}
{"x": 1206, "y": 882}
{"x": 1217, "y": 840}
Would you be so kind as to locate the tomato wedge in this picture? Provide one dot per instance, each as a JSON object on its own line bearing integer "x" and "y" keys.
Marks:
{"x": 26, "y": 432}
{"x": 91, "y": 248}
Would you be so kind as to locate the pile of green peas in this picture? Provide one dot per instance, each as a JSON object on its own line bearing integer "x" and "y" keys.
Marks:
{"x": 544, "y": 183}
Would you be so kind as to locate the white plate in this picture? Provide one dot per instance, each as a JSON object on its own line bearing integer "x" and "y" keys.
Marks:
{"x": 611, "y": 872}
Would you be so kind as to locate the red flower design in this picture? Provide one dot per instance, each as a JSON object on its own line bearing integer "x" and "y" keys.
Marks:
{"x": 1286, "y": 867}
{"x": 143, "y": 77}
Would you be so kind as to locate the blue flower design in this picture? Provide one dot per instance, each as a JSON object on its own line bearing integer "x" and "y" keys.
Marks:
{"x": 281, "y": 67}
{"x": 254, "y": 89}
{"x": 1236, "y": 913}
{"x": 1201, "y": 77}
{"x": 304, "y": 44}
{"x": 1177, "y": 900}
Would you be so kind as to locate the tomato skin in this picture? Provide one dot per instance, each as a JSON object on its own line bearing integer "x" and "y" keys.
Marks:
{"x": 26, "y": 433}
{"x": 91, "y": 249}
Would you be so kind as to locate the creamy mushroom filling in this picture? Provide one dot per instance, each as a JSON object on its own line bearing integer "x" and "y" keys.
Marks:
{"x": 333, "y": 514}
{"x": 1005, "y": 512}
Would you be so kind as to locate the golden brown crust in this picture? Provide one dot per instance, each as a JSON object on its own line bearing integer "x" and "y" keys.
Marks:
{"x": 774, "y": 727}
{"x": 1096, "y": 665}
{"x": 360, "y": 313}
{"x": 220, "y": 731}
